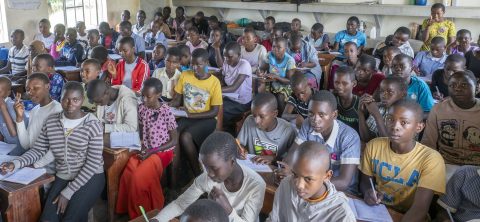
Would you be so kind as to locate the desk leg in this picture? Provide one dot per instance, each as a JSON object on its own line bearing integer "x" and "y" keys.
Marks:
{"x": 113, "y": 178}
{"x": 24, "y": 206}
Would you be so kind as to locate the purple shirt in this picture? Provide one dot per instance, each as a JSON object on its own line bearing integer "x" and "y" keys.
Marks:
{"x": 231, "y": 73}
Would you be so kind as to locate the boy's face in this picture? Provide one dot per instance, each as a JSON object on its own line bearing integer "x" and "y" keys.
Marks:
{"x": 296, "y": 46}
{"x": 155, "y": 26}
{"x": 158, "y": 53}
{"x": 437, "y": 50}
{"x": 217, "y": 168}
{"x": 231, "y": 57}
{"x": 5, "y": 90}
{"x": 452, "y": 67}
{"x": 363, "y": 72}
{"x": 172, "y": 63}
{"x": 37, "y": 90}
{"x": 43, "y": 28}
{"x": 72, "y": 101}
{"x": 71, "y": 36}
{"x": 390, "y": 93}
{"x": 402, "y": 125}
{"x": 351, "y": 52}
{"x": 166, "y": 12}
{"x": 125, "y": 31}
{"x": 343, "y": 84}
{"x": 309, "y": 178}
{"x": 302, "y": 91}
{"x": 59, "y": 32}
{"x": 295, "y": 26}
{"x": 248, "y": 38}
{"x": 41, "y": 65}
{"x": 80, "y": 28}
{"x": 93, "y": 39}
{"x": 316, "y": 35}
{"x": 192, "y": 36}
{"x": 388, "y": 56}
{"x": 125, "y": 16}
{"x": 141, "y": 17}
{"x": 277, "y": 34}
{"x": 126, "y": 51}
{"x": 102, "y": 99}
{"x": 278, "y": 49}
{"x": 268, "y": 25}
{"x": 185, "y": 60}
{"x": 402, "y": 68}
{"x": 321, "y": 116}
{"x": 16, "y": 38}
{"x": 461, "y": 89}
{"x": 217, "y": 36}
{"x": 399, "y": 39}
{"x": 437, "y": 14}
{"x": 178, "y": 12}
{"x": 464, "y": 40}
{"x": 212, "y": 24}
{"x": 89, "y": 72}
{"x": 264, "y": 116}
{"x": 352, "y": 27}
{"x": 199, "y": 66}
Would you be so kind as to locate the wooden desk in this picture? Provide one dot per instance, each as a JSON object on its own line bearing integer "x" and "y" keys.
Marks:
{"x": 72, "y": 73}
{"x": 20, "y": 202}
{"x": 115, "y": 160}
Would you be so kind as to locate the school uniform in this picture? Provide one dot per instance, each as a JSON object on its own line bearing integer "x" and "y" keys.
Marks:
{"x": 139, "y": 30}
{"x": 158, "y": 38}
{"x": 318, "y": 44}
{"x": 47, "y": 41}
{"x": 308, "y": 53}
{"x": 342, "y": 37}
{"x": 428, "y": 64}
{"x": 167, "y": 82}
{"x": 299, "y": 107}
{"x": 201, "y": 45}
{"x": 121, "y": 115}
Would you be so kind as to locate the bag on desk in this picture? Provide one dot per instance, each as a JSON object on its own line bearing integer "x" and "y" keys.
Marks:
{"x": 129, "y": 140}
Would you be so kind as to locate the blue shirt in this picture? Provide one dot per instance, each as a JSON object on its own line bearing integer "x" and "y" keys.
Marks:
{"x": 139, "y": 43}
{"x": 71, "y": 55}
{"x": 7, "y": 138}
{"x": 343, "y": 145}
{"x": 428, "y": 64}
{"x": 419, "y": 91}
{"x": 343, "y": 37}
{"x": 56, "y": 86}
{"x": 154, "y": 65}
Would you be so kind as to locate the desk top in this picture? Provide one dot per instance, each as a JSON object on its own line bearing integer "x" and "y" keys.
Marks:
{"x": 16, "y": 187}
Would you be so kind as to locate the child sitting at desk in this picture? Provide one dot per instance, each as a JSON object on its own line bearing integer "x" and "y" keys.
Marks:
{"x": 308, "y": 195}
{"x": 347, "y": 103}
{"x": 109, "y": 69}
{"x": 297, "y": 105}
{"x": 17, "y": 55}
{"x": 263, "y": 133}
{"x": 204, "y": 210}
{"x": 93, "y": 37}
{"x": 351, "y": 34}
{"x": 463, "y": 43}
{"x": 44, "y": 63}
{"x": 59, "y": 42}
{"x": 238, "y": 189}
{"x": 453, "y": 63}
{"x": 75, "y": 140}
{"x": 305, "y": 57}
{"x": 427, "y": 62}
{"x": 194, "y": 41}
{"x": 368, "y": 79}
{"x": 406, "y": 173}
{"x": 44, "y": 35}
{"x": 108, "y": 36}
{"x": 158, "y": 58}
{"x": 169, "y": 74}
{"x": 155, "y": 36}
{"x": 8, "y": 130}
{"x": 216, "y": 48}
{"x": 72, "y": 51}
{"x": 132, "y": 70}
{"x": 351, "y": 57}
{"x": 317, "y": 38}
{"x": 253, "y": 52}
{"x": 138, "y": 41}
{"x": 140, "y": 181}
{"x": 90, "y": 70}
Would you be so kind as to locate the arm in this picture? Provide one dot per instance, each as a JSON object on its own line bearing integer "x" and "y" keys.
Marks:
{"x": 421, "y": 204}
{"x": 208, "y": 114}
{"x": 40, "y": 148}
{"x": 427, "y": 23}
{"x": 252, "y": 206}
{"x": 363, "y": 130}
{"x": 342, "y": 181}
{"x": 176, "y": 100}
{"x": 366, "y": 189}
{"x": 130, "y": 118}
{"x": 7, "y": 68}
{"x": 430, "y": 135}
{"x": 8, "y": 119}
{"x": 287, "y": 112}
{"x": 237, "y": 83}
{"x": 218, "y": 56}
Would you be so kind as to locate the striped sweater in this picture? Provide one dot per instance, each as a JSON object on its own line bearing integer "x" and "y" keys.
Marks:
{"x": 77, "y": 156}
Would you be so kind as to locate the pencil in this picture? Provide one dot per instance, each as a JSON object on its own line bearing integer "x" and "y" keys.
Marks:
{"x": 143, "y": 213}
{"x": 436, "y": 87}
{"x": 373, "y": 188}
{"x": 450, "y": 215}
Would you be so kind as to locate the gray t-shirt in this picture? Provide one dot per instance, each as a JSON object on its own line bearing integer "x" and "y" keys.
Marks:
{"x": 275, "y": 142}
{"x": 127, "y": 79}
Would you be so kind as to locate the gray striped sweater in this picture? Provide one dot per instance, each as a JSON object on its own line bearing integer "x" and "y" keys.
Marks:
{"x": 77, "y": 156}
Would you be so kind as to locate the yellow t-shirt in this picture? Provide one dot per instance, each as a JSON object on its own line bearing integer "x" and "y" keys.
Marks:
{"x": 199, "y": 95}
{"x": 398, "y": 175}
{"x": 443, "y": 29}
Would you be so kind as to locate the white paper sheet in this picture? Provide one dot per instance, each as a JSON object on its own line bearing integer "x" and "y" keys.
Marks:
{"x": 263, "y": 168}
{"x": 115, "y": 56}
{"x": 129, "y": 140}
{"x": 364, "y": 212}
{"x": 67, "y": 68}
{"x": 231, "y": 95}
{"x": 25, "y": 175}
{"x": 177, "y": 112}
{"x": 6, "y": 148}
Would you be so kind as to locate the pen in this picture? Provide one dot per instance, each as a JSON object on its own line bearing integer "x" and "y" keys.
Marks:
{"x": 143, "y": 213}
{"x": 450, "y": 215}
{"x": 373, "y": 188}
{"x": 436, "y": 87}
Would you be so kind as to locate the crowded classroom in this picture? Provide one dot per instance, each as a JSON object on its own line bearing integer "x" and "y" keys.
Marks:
{"x": 167, "y": 113}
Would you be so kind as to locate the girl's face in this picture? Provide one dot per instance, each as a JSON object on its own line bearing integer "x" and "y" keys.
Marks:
{"x": 351, "y": 52}
{"x": 437, "y": 14}
{"x": 192, "y": 37}
{"x": 72, "y": 101}
{"x": 172, "y": 63}
{"x": 93, "y": 39}
{"x": 151, "y": 96}
{"x": 217, "y": 36}
{"x": 248, "y": 39}
{"x": 295, "y": 26}
{"x": 155, "y": 26}
{"x": 278, "y": 49}
{"x": 178, "y": 12}
{"x": 296, "y": 46}
{"x": 158, "y": 53}
{"x": 200, "y": 68}
{"x": 231, "y": 57}
{"x": 352, "y": 27}
{"x": 218, "y": 169}
{"x": 277, "y": 34}
{"x": 363, "y": 72}
{"x": 388, "y": 57}
{"x": 464, "y": 40}
{"x": 89, "y": 72}
{"x": 59, "y": 32}
{"x": 43, "y": 28}
{"x": 437, "y": 50}
{"x": 390, "y": 93}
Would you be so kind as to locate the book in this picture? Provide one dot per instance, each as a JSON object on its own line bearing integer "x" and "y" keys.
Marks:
{"x": 178, "y": 112}
{"x": 364, "y": 212}
{"x": 129, "y": 140}
{"x": 6, "y": 148}
{"x": 262, "y": 168}
{"x": 115, "y": 56}
{"x": 24, "y": 176}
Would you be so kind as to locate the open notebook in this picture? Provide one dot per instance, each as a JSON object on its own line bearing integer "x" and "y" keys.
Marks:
{"x": 6, "y": 148}
{"x": 364, "y": 212}
{"x": 24, "y": 176}
{"x": 256, "y": 167}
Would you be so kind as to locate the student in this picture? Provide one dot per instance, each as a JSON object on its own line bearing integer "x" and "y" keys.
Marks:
{"x": 380, "y": 47}
{"x": 108, "y": 36}
{"x": 72, "y": 51}
{"x": 132, "y": 70}
{"x": 216, "y": 48}
{"x": 473, "y": 61}
{"x": 44, "y": 35}
{"x": 178, "y": 21}
{"x": 368, "y": 79}
{"x": 169, "y": 74}
{"x": 400, "y": 40}
{"x": 201, "y": 23}
{"x": 427, "y": 62}
{"x": 254, "y": 53}
{"x": 263, "y": 133}
{"x": 8, "y": 130}
{"x": 462, "y": 45}
{"x": 460, "y": 198}
{"x": 317, "y": 38}
{"x": 347, "y": 103}
{"x": 297, "y": 105}
{"x": 237, "y": 76}
{"x": 162, "y": 26}
{"x": 418, "y": 90}
{"x": 204, "y": 210}
{"x": 305, "y": 56}
{"x": 93, "y": 38}
{"x": 140, "y": 181}
{"x": 194, "y": 41}
{"x": 213, "y": 23}
{"x": 79, "y": 178}
{"x": 116, "y": 106}
{"x": 154, "y": 36}
{"x": 17, "y": 55}
{"x": 37, "y": 87}
{"x": 108, "y": 70}
{"x": 185, "y": 58}
{"x": 201, "y": 94}
{"x": 268, "y": 25}
{"x": 125, "y": 18}
{"x": 351, "y": 34}
{"x": 452, "y": 128}
{"x": 139, "y": 42}
{"x": 388, "y": 55}
{"x": 182, "y": 37}
{"x": 277, "y": 32}
{"x": 308, "y": 195}
{"x": 166, "y": 16}
{"x": 158, "y": 58}
{"x": 406, "y": 173}
{"x": 295, "y": 27}
{"x": 351, "y": 57}
{"x": 35, "y": 48}
{"x": 82, "y": 36}
{"x": 372, "y": 115}
{"x": 341, "y": 140}
{"x": 453, "y": 63}
{"x": 140, "y": 28}
{"x": 44, "y": 63}
{"x": 238, "y": 189}
{"x": 59, "y": 42}
{"x": 437, "y": 26}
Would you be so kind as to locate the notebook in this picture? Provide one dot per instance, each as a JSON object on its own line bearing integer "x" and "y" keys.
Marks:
{"x": 24, "y": 176}
{"x": 231, "y": 95}
{"x": 364, "y": 212}
{"x": 262, "y": 168}
{"x": 178, "y": 112}
{"x": 6, "y": 148}
{"x": 129, "y": 140}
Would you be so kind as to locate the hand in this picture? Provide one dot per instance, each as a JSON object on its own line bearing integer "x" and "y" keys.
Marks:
{"x": 271, "y": 76}
{"x": 371, "y": 199}
{"x": 438, "y": 95}
{"x": 6, "y": 167}
{"x": 299, "y": 121}
{"x": 19, "y": 107}
{"x": 62, "y": 203}
{"x": 372, "y": 107}
{"x": 216, "y": 44}
{"x": 283, "y": 171}
{"x": 144, "y": 154}
{"x": 262, "y": 159}
{"x": 430, "y": 21}
{"x": 112, "y": 70}
{"x": 219, "y": 196}
{"x": 364, "y": 101}
{"x": 242, "y": 152}
{"x": 301, "y": 65}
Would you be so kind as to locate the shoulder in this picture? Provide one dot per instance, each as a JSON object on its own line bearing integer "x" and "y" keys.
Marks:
{"x": 253, "y": 180}
{"x": 260, "y": 47}
{"x": 346, "y": 131}
{"x": 378, "y": 77}
{"x": 377, "y": 145}
{"x": 341, "y": 33}
{"x": 285, "y": 125}
{"x": 428, "y": 154}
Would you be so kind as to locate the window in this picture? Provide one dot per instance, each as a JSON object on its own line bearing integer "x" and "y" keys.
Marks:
{"x": 69, "y": 12}
{"x": 3, "y": 24}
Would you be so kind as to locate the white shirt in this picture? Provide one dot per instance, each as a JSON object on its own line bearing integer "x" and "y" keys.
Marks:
{"x": 48, "y": 41}
{"x": 255, "y": 57}
{"x": 139, "y": 30}
{"x": 70, "y": 124}
{"x": 18, "y": 58}
{"x": 127, "y": 79}
{"x": 167, "y": 82}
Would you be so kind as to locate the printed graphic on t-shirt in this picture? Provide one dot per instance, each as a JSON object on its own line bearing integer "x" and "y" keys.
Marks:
{"x": 455, "y": 133}
{"x": 264, "y": 148}
{"x": 195, "y": 98}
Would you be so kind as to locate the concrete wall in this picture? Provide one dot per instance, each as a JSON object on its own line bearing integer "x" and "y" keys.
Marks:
{"x": 115, "y": 8}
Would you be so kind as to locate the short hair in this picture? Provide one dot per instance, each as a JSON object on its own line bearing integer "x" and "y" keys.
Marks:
{"x": 350, "y": 43}
{"x": 45, "y": 21}
{"x": 367, "y": 59}
{"x": 463, "y": 32}
{"x": 233, "y": 46}
{"x": 456, "y": 58}
{"x": 467, "y": 74}
{"x": 126, "y": 12}
{"x": 402, "y": 56}
{"x": 346, "y": 70}
{"x": 93, "y": 32}
{"x": 402, "y": 85}
{"x": 104, "y": 25}
{"x": 79, "y": 23}
{"x": 437, "y": 6}
{"x": 96, "y": 88}
{"x": 325, "y": 96}
{"x": 180, "y": 8}
{"x": 296, "y": 20}
{"x": 142, "y": 12}
{"x": 213, "y": 19}
{"x": 46, "y": 57}
{"x": 159, "y": 14}
{"x": 354, "y": 19}
{"x": 221, "y": 143}
{"x": 127, "y": 40}
{"x": 200, "y": 13}
{"x": 94, "y": 62}
{"x": 71, "y": 30}
{"x": 437, "y": 40}
{"x": 73, "y": 86}
{"x": 153, "y": 83}
{"x": 271, "y": 18}
{"x": 20, "y": 32}
{"x": 161, "y": 46}
{"x": 39, "y": 76}
{"x": 5, "y": 80}
{"x": 297, "y": 79}
{"x": 395, "y": 50}
{"x": 125, "y": 25}
{"x": 167, "y": 8}
{"x": 265, "y": 99}
{"x": 200, "y": 53}
{"x": 249, "y": 29}
{"x": 295, "y": 37}
{"x": 100, "y": 53}
{"x": 281, "y": 40}
{"x": 411, "y": 105}
{"x": 218, "y": 29}
{"x": 60, "y": 26}
{"x": 403, "y": 30}
{"x": 317, "y": 27}
{"x": 174, "y": 51}
{"x": 313, "y": 150}
{"x": 206, "y": 210}
{"x": 193, "y": 29}
{"x": 184, "y": 50}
